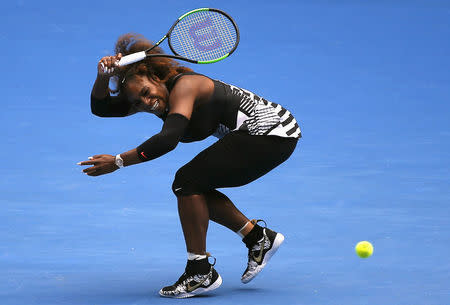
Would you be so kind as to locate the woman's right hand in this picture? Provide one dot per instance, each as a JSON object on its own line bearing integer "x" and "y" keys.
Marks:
{"x": 108, "y": 64}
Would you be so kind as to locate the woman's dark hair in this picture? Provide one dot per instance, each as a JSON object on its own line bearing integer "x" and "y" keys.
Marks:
{"x": 161, "y": 67}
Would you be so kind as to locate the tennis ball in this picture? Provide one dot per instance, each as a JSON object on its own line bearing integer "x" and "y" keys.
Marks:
{"x": 364, "y": 249}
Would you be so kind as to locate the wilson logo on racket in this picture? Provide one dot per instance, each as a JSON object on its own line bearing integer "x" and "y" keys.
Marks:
{"x": 208, "y": 39}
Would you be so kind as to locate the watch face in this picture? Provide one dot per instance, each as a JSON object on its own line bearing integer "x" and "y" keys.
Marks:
{"x": 119, "y": 161}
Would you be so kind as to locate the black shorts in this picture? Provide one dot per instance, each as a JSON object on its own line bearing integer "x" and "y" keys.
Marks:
{"x": 235, "y": 160}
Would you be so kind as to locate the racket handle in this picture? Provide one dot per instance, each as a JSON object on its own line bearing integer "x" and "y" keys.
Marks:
{"x": 132, "y": 58}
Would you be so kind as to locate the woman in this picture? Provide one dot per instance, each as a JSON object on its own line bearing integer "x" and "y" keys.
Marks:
{"x": 255, "y": 136}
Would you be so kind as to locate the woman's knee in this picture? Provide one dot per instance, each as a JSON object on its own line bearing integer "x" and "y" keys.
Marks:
{"x": 187, "y": 183}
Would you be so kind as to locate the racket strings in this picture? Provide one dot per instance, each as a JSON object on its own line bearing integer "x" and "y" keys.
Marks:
{"x": 203, "y": 36}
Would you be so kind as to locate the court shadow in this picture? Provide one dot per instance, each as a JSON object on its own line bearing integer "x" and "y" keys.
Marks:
{"x": 226, "y": 291}
{"x": 247, "y": 289}
{"x": 206, "y": 295}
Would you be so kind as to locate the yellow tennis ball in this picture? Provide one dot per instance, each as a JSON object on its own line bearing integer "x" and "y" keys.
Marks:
{"x": 364, "y": 249}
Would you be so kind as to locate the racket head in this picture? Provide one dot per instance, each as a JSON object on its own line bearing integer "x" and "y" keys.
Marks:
{"x": 204, "y": 35}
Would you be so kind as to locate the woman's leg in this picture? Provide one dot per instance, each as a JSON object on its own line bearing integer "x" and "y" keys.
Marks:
{"x": 223, "y": 211}
{"x": 199, "y": 275}
{"x": 195, "y": 211}
{"x": 194, "y": 217}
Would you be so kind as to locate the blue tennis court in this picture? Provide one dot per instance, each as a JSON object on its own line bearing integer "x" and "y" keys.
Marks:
{"x": 369, "y": 85}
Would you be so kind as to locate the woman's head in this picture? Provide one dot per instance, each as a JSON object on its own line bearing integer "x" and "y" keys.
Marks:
{"x": 147, "y": 94}
{"x": 149, "y": 74}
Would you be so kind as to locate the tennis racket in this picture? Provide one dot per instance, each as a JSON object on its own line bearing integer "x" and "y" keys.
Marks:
{"x": 201, "y": 36}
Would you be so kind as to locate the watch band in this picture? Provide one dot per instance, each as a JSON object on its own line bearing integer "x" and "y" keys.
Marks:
{"x": 119, "y": 161}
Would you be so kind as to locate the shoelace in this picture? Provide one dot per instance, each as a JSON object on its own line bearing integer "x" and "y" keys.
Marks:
{"x": 208, "y": 255}
{"x": 255, "y": 221}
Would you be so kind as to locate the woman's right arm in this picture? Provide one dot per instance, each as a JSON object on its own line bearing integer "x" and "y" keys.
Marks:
{"x": 102, "y": 103}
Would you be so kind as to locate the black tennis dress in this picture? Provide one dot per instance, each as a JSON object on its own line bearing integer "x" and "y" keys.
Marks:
{"x": 232, "y": 108}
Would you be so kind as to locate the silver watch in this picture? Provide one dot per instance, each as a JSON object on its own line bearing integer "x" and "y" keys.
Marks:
{"x": 119, "y": 161}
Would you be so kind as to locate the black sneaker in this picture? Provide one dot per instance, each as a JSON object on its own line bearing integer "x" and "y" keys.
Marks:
{"x": 198, "y": 277}
{"x": 262, "y": 243}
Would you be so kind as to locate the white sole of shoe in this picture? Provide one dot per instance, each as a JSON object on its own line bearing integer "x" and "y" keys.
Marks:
{"x": 279, "y": 238}
{"x": 197, "y": 291}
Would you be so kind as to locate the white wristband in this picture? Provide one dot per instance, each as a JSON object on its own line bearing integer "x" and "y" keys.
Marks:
{"x": 119, "y": 161}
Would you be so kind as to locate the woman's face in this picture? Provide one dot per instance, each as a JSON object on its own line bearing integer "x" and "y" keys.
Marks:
{"x": 147, "y": 95}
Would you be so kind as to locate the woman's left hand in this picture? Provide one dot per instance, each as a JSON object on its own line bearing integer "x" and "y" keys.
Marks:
{"x": 102, "y": 164}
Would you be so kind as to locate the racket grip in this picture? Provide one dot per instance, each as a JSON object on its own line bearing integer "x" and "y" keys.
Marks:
{"x": 132, "y": 58}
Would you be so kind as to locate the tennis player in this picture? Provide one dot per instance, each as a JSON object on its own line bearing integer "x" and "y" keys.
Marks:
{"x": 255, "y": 135}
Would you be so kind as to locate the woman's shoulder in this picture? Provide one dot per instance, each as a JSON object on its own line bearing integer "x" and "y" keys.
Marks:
{"x": 190, "y": 80}
{"x": 193, "y": 84}
{"x": 170, "y": 84}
